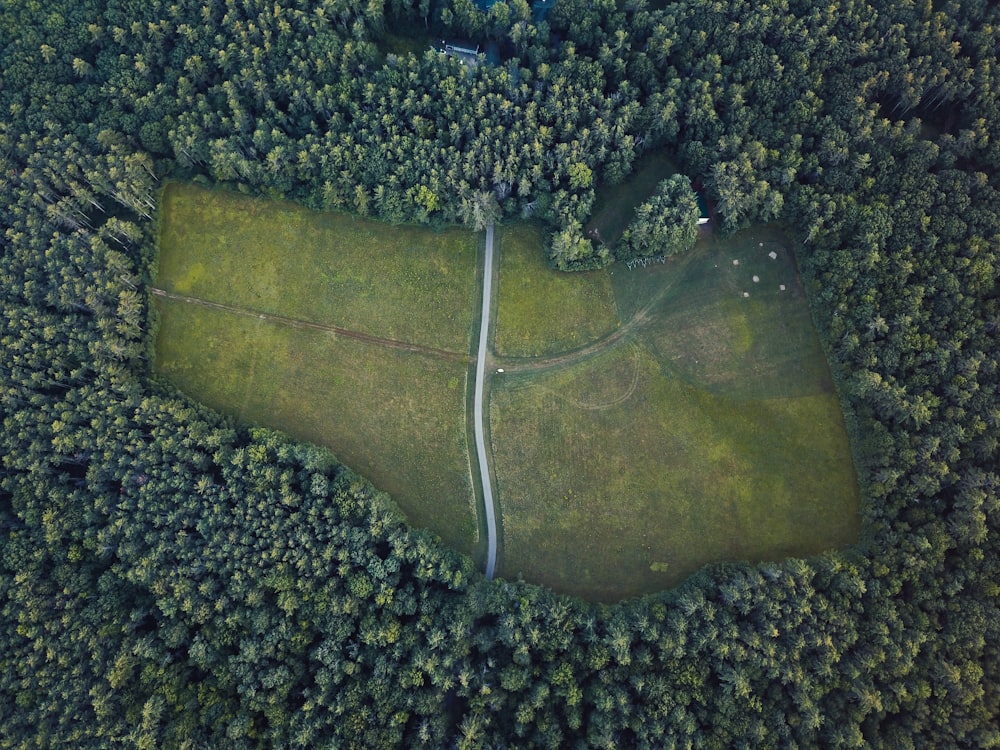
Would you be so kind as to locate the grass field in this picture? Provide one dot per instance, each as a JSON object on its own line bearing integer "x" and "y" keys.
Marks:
{"x": 719, "y": 329}
{"x": 541, "y": 311}
{"x": 396, "y": 416}
{"x": 647, "y": 422}
{"x": 403, "y": 283}
{"x": 710, "y": 432}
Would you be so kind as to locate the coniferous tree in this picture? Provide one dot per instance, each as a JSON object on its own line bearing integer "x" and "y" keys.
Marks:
{"x": 666, "y": 224}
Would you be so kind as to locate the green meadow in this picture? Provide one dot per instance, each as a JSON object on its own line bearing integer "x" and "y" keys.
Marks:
{"x": 646, "y": 421}
{"x": 402, "y": 283}
{"x": 710, "y": 431}
{"x": 396, "y": 416}
{"x": 540, "y": 311}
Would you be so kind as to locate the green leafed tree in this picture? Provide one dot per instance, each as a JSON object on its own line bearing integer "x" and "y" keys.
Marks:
{"x": 478, "y": 209}
{"x": 572, "y": 251}
{"x": 666, "y": 224}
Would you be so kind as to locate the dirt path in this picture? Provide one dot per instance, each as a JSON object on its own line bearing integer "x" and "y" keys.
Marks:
{"x": 298, "y": 323}
{"x": 537, "y": 364}
{"x": 479, "y": 407}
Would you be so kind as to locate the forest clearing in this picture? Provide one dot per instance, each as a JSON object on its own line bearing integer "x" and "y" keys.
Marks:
{"x": 708, "y": 432}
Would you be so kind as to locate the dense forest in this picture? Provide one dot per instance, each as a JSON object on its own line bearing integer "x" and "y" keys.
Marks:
{"x": 174, "y": 579}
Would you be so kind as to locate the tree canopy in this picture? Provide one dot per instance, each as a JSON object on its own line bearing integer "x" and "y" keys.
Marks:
{"x": 666, "y": 224}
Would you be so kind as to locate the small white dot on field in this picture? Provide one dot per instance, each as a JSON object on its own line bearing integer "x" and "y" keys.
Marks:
{"x": 736, "y": 261}
{"x": 756, "y": 279}
{"x": 501, "y": 369}
{"x": 782, "y": 287}
{"x": 760, "y": 244}
{"x": 773, "y": 255}
{"x": 746, "y": 294}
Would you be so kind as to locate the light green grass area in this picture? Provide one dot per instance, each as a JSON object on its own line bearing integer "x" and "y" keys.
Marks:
{"x": 617, "y": 480}
{"x": 543, "y": 311}
{"x": 403, "y": 283}
{"x": 711, "y": 432}
{"x": 396, "y": 416}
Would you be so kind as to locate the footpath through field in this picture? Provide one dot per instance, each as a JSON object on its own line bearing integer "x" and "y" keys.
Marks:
{"x": 298, "y": 323}
{"x": 484, "y": 469}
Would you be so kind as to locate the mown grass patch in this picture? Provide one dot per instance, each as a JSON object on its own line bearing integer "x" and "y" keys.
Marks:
{"x": 397, "y": 417}
{"x": 617, "y": 479}
{"x": 732, "y": 318}
{"x": 404, "y": 283}
{"x": 541, "y": 311}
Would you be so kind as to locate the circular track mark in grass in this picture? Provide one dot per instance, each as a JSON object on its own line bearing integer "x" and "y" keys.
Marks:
{"x": 607, "y": 404}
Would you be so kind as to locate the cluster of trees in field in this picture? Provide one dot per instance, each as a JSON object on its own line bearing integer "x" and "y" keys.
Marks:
{"x": 666, "y": 224}
{"x": 173, "y": 579}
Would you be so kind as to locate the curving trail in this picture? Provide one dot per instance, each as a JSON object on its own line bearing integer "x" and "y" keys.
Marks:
{"x": 484, "y": 469}
{"x": 608, "y": 340}
{"x": 601, "y": 406}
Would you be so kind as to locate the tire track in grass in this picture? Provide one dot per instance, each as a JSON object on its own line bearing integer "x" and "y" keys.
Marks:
{"x": 299, "y": 323}
{"x": 539, "y": 364}
{"x": 602, "y": 405}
